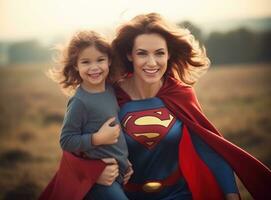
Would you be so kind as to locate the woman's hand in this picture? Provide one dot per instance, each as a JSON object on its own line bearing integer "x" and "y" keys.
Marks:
{"x": 128, "y": 174}
{"x": 107, "y": 134}
{"x": 232, "y": 196}
{"x": 110, "y": 172}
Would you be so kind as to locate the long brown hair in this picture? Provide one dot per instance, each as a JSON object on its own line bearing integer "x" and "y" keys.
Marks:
{"x": 64, "y": 72}
{"x": 187, "y": 58}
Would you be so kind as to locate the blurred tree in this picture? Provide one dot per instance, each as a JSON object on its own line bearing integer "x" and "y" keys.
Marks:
{"x": 4, "y": 57}
{"x": 28, "y": 51}
{"x": 265, "y": 45}
{"x": 238, "y": 46}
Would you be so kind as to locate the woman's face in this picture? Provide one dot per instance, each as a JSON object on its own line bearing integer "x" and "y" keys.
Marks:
{"x": 149, "y": 57}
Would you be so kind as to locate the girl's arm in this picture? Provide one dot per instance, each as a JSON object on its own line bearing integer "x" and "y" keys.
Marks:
{"x": 71, "y": 138}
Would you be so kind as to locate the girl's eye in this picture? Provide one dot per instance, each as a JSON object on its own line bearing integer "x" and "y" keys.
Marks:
{"x": 85, "y": 62}
{"x": 101, "y": 60}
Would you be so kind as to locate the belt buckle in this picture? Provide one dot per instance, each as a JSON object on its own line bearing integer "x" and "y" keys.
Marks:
{"x": 152, "y": 186}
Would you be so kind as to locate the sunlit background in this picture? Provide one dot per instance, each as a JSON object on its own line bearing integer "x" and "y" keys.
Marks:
{"x": 40, "y": 19}
{"x": 235, "y": 94}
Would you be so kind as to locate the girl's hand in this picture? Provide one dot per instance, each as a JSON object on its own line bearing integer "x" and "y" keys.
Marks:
{"x": 110, "y": 172}
{"x": 107, "y": 134}
{"x": 128, "y": 174}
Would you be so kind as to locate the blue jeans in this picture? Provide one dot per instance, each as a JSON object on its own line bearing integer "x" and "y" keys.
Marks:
{"x": 101, "y": 192}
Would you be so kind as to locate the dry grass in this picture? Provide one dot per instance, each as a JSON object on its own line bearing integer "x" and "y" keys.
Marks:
{"x": 236, "y": 99}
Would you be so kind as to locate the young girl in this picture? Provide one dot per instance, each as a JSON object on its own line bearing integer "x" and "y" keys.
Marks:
{"x": 91, "y": 127}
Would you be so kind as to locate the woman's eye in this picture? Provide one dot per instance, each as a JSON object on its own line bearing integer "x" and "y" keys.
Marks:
{"x": 161, "y": 53}
{"x": 141, "y": 53}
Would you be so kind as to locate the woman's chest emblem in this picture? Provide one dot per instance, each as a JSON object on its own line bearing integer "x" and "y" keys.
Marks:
{"x": 148, "y": 127}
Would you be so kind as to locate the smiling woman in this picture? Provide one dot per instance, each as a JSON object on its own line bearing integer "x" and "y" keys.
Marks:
{"x": 189, "y": 158}
{"x": 149, "y": 56}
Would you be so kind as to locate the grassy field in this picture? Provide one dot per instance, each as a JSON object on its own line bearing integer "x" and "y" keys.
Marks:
{"x": 237, "y": 99}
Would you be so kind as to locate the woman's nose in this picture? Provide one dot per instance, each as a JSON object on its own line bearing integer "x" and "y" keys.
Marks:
{"x": 151, "y": 61}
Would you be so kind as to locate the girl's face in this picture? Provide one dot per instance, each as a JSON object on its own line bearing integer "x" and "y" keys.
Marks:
{"x": 93, "y": 68}
{"x": 149, "y": 56}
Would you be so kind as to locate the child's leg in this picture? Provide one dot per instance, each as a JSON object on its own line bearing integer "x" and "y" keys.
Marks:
{"x": 101, "y": 192}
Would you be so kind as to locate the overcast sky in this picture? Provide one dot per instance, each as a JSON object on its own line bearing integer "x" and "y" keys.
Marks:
{"x": 22, "y": 19}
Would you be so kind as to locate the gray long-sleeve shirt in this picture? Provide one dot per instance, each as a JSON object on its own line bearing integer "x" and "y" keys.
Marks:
{"x": 86, "y": 113}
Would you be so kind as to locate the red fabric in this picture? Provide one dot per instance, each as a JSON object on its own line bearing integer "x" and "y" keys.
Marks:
{"x": 182, "y": 102}
{"x": 199, "y": 177}
{"x": 74, "y": 178}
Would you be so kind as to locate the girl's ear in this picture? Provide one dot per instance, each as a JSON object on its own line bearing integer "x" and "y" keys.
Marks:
{"x": 76, "y": 68}
{"x": 109, "y": 62}
{"x": 129, "y": 57}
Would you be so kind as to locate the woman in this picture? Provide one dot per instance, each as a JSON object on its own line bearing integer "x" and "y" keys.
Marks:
{"x": 150, "y": 49}
{"x": 175, "y": 151}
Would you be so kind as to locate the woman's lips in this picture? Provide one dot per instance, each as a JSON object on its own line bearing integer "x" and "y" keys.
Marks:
{"x": 151, "y": 71}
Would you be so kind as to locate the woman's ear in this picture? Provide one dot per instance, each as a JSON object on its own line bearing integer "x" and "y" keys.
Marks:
{"x": 129, "y": 57}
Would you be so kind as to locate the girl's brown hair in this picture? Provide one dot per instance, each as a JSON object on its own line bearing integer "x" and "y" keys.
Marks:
{"x": 187, "y": 58}
{"x": 65, "y": 73}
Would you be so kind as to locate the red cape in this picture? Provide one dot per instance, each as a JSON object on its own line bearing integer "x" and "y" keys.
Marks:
{"x": 73, "y": 179}
{"x": 182, "y": 102}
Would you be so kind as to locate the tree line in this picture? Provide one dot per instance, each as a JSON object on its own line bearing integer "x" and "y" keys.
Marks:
{"x": 237, "y": 46}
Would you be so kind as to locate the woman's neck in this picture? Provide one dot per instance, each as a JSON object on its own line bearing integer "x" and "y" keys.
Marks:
{"x": 141, "y": 90}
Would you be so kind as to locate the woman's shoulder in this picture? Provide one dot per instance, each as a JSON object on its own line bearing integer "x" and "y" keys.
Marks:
{"x": 121, "y": 90}
{"x": 122, "y": 85}
{"x": 178, "y": 82}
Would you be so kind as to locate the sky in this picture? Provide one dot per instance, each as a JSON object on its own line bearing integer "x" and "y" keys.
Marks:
{"x": 23, "y": 19}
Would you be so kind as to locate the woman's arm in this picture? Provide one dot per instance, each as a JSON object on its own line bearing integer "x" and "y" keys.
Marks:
{"x": 232, "y": 196}
{"x": 128, "y": 174}
{"x": 220, "y": 168}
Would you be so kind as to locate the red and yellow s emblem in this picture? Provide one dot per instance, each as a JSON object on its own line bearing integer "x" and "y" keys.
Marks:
{"x": 148, "y": 127}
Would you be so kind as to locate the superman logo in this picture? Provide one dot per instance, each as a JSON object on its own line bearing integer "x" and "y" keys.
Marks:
{"x": 148, "y": 127}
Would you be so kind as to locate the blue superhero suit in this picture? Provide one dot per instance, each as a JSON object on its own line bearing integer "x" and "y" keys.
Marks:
{"x": 153, "y": 134}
